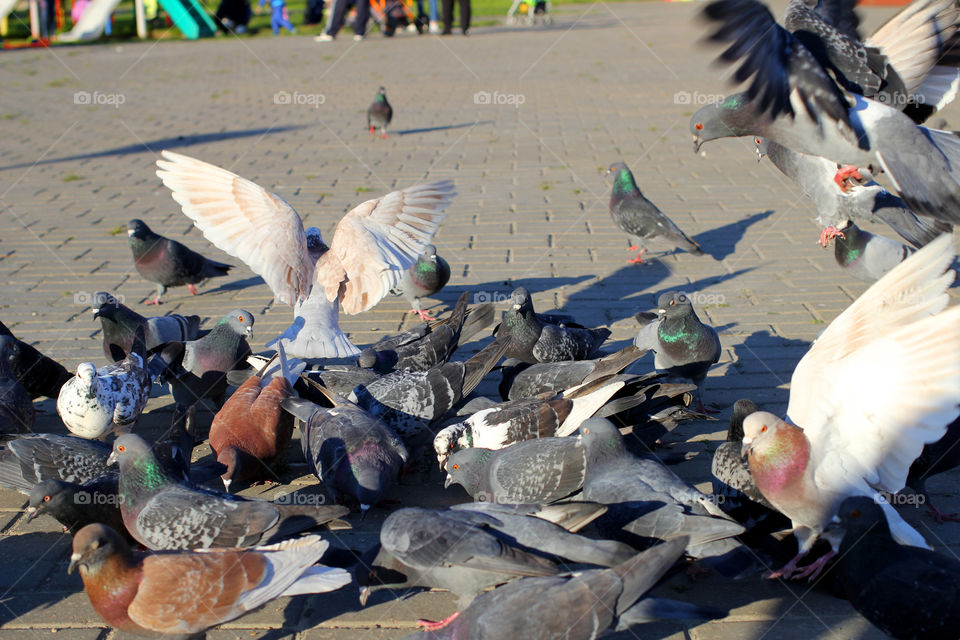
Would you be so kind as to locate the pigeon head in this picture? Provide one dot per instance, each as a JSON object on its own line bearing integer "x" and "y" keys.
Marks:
{"x": 9, "y": 349}
{"x": 465, "y": 468}
{"x": 448, "y": 440}
{"x": 138, "y": 229}
{"x": 367, "y": 358}
{"x": 130, "y": 448}
{"x": 732, "y": 117}
{"x": 776, "y": 451}
{"x": 520, "y": 301}
{"x": 601, "y": 440}
{"x": 235, "y": 463}
{"x": 93, "y": 546}
{"x": 763, "y": 147}
{"x": 87, "y": 374}
{"x": 372, "y": 481}
{"x": 741, "y": 409}
{"x": 623, "y": 181}
{"x": 856, "y": 516}
{"x": 240, "y": 321}
{"x": 430, "y": 252}
{"x": 381, "y": 94}
{"x": 49, "y": 495}
{"x": 674, "y": 304}
{"x": 315, "y": 244}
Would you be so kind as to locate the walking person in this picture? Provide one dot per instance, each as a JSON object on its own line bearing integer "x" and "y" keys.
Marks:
{"x": 279, "y": 16}
{"x": 448, "y": 16}
{"x": 336, "y": 16}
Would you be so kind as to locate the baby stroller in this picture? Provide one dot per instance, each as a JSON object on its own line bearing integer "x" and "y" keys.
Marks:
{"x": 390, "y": 14}
{"x": 532, "y": 10}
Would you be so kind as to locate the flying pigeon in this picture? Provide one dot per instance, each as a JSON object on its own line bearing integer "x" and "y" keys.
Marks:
{"x": 880, "y": 382}
{"x": 380, "y": 113}
{"x": 683, "y": 346}
{"x": 167, "y": 263}
{"x": 423, "y": 279}
{"x": 905, "y": 591}
{"x": 522, "y": 380}
{"x": 640, "y": 219}
{"x": 372, "y": 246}
{"x": 531, "y": 340}
{"x": 17, "y": 414}
{"x": 866, "y": 256}
{"x": 187, "y": 592}
{"x": 162, "y": 511}
{"x": 40, "y": 375}
{"x": 109, "y": 399}
{"x": 354, "y": 454}
{"x": 119, "y": 323}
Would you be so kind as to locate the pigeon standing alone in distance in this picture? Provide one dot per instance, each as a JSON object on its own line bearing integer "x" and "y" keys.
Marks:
{"x": 683, "y": 345}
{"x": 372, "y": 246}
{"x": 119, "y": 322}
{"x": 167, "y": 263}
{"x": 878, "y": 384}
{"x": 379, "y": 114}
{"x": 424, "y": 278}
{"x": 640, "y": 219}
{"x": 184, "y": 593}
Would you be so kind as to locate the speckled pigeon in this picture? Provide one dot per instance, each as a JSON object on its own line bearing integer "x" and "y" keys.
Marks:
{"x": 168, "y": 263}
{"x": 908, "y": 593}
{"x": 164, "y": 512}
{"x": 184, "y": 593}
{"x": 119, "y": 323}
{"x": 533, "y": 341}
{"x": 28, "y": 459}
{"x": 426, "y": 277}
{"x": 40, "y": 375}
{"x": 866, "y": 256}
{"x": 17, "y": 414}
{"x": 380, "y": 113}
{"x": 683, "y": 346}
{"x": 523, "y": 380}
{"x": 355, "y": 455}
{"x": 877, "y": 385}
{"x": 640, "y": 219}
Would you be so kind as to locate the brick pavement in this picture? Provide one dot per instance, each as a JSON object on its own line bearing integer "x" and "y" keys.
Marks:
{"x": 597, "y": 86}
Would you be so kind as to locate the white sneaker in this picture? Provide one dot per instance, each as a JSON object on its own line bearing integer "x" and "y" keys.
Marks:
{"x": 323, "y": 37}
{"x": 434, "y": 27}
{"x": 411, "y": 28}
{"x": 357, "y": 37}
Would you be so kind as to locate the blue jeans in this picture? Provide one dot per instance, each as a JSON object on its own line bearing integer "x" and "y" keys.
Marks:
{"x": 277, "y": 20}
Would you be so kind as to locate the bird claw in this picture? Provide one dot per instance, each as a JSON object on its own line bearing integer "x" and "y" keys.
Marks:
{"x": 430, "y": 625}
{"x": 813, "y": 570}
{"x": 154, "y": 301}
{"x": 193, "y": 289}
{"x": 844, "y": 175}
{"x": 702, "y": 408}
{"x": 424, "y": 315}
{"x": 383, "y": 136}
{"x": 941, "y": 517}
{"x": 829, "y": 234}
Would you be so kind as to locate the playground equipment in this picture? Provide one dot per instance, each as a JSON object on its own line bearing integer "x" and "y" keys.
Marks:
{"x": 187, "y": 15}
{"x": 530, "y": 8}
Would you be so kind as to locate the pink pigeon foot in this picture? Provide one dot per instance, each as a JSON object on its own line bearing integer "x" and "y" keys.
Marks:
{"x": 787, "y": 571}
{"x": 702, "y": 408}
{"x": 372, "y": 132}
{"x": 383, "y": 135}
{"x": 429, "y": 625}
{"x": 424, "y": 315}
{"x": 193, "y": 289}
{"x": 815, "y": 568}
{"x": 829, "y": 234}
{"x": 154, "y": 301}
{"x": 844, "y": 175}
{"x": 639, "y": 258}
{"x": 941, "y": 517}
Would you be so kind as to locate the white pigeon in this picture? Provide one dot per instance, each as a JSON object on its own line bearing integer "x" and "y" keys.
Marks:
{"x": 372, "y": 247}
{"x": 97, "y": 401}
{"x": 880, "y": 382}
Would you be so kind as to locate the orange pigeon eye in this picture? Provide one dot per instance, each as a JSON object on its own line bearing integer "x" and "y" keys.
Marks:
{"x": 121, "y": 448}
{"x": 240, "y": 318}
{"x": 46, "y": 498}
{"x": 672, "y": 302}
{"x": 456, "y": 467}
{"x": 855, "y": 513}
{"x": 586, "y": 432}
{"x": 757, "y": 140}
{"x": 699, "y": 126}
{"x": 763, "y": 429}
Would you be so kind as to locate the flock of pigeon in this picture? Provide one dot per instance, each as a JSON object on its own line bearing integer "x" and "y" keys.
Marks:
{"x": 573, "y": 519}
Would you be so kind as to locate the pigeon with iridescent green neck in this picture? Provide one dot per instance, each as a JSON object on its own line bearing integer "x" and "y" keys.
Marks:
{"x": 379, "y": 114}
{"x": 640, "y": 219}
{"x": 424, "y": 278}
{"x": 867, "y": 256}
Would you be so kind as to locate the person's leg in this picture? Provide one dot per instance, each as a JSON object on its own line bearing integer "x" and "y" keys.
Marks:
{"x": 335, "y": 17}
{"x": 434, "y": 24}
{"x": 363, "y": 14}
{"x": 447, "y": 16}
{"x": 276, "y": 18}
{"x": 465, "y": 15}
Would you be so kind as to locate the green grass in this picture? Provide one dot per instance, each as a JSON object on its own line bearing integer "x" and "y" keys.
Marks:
{"x": 71, "y": 177}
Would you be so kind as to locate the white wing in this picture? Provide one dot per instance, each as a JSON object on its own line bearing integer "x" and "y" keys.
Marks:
{"x": 316, "y": 332}
{"x": 245, "y": 220}
{"x": 377, "y": 241}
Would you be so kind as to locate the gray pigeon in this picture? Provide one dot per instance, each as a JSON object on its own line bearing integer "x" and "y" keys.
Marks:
{"x": 522, "y": 380}
{"x": 28, "y": 459}
{"x": 866, "y": 256}
{"x": 640, "y": 219}
{"x": 119, "y": 323}
{"x": 168, "y": 263}
{"x": 379, "y": 113}
{"x": 649, "y": 502}
{"x": 535, "y": 471}
{"x": 40, "y": 375}
{"x": 858, "y": 197}
{"x": 423, "y": 279}
{"x": 531, "y": 340}
{"x": 17, "y": 414}
{"x": 578, "y": 606}
{"x": 684, "y": 346}
{"x": 77, "y": 505}
{"x": 355, "y": 455}
{"x": 162, "y": 511}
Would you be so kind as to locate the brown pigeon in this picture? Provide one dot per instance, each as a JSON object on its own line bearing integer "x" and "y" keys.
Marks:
{"x": 187, "y": 592}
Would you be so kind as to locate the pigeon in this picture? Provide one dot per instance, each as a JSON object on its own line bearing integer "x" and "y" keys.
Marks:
{"x": 372, "y": 246}
{"x": 118, "y": 323}
{"x": 684, "y": 346}
{"x": 187, "y": 592}
{"x": 197, "y": 369}
{"x": 938, "y": 457}
{"x": 897, "y": 342}
{"x": 507, "y": 423}
{"x": 908, "y": 593}
{"x": 532, "y": 341}
{"x": 77, "y": 505}
{"x": 17, "y": 414}
{"x": 794, "y": 100}
{"x": 28, "y": 459}
{"x": 447, "y": 550}
{"x": 640, "y": 219}
{"x": 866, "y": 256}
{"x": 167, "y": 263}
{"x": 522, "y": 380}
{"x": 380, "y": 113}
{"x": 251, "y": 432}
{"x": 423, "y": 279}
{"x": 40, "y": 375}
{"x": 536, "y": 471}
{"x": 410, "y": 402}
{"x": 109, "y": 399}
{"x": 577, "y": 606}
{"x": 163, "y": 512}
{"x": 647, "y": 501}
{"x": 858, "y": 197}
{"x": 355, "y": 455}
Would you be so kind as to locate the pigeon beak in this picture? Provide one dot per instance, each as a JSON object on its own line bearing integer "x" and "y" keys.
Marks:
{"x": 661, "y": 311}
{"x": 448, "y": 481}
{"x": 364, "y": 595}
{"x": 364, "y": 508}
{"x": 696, "y": 144}
{"x": 746, "y": 447}
{"x": 130, "y": 232}
{"x": 249, "y": 331}
{"x": 516, "y": 307}
{"x": 96, "y": 313}
{"x": 112, "y": 458}
{"x": 443, "y": 462}
{"x": 74, "y": 561}
{"x": 31, "y": 513}
{"x": 226, "y": 484}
